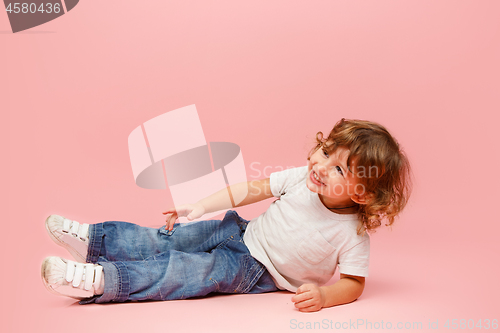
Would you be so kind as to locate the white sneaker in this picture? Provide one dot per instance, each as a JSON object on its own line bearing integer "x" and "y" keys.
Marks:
{"x": 72, "y": 279}
{"x": 69, "y": 234}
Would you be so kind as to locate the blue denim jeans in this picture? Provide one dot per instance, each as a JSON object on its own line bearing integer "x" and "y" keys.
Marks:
{"x": 194, "y": 259}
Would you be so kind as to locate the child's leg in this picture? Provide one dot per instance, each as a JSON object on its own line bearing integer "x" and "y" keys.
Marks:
{"x": 229, "y": 268}
{"x": 213, "y": 259}
{"x": 123, "y": 241}
{"x": 115, "y": 240}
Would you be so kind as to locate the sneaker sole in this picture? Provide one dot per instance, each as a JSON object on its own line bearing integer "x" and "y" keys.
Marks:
{"x": 76, "y": 255}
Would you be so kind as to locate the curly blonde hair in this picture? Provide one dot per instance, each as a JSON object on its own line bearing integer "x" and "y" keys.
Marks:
{"x": 372, "y": 147}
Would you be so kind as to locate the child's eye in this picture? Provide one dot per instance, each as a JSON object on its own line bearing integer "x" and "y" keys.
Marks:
{"x": 339, "y": 169}
{"x": 325, "y": 152}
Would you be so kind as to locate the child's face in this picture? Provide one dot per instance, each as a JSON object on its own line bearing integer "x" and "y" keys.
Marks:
{"x": 330, "y": 177}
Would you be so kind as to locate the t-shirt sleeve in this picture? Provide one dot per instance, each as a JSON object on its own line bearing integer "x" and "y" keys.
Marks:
{"x": 283, "y": 180}
{"x": 355, "y": 261}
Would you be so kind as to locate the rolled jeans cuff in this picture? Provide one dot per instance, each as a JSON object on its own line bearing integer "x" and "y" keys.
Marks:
{"x": 96, "y": 234}
{"x": 116, "y": 284}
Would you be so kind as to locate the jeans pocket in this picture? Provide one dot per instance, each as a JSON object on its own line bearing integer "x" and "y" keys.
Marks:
{"x": 314, "y": 248}
{"x": 165, "y": 232}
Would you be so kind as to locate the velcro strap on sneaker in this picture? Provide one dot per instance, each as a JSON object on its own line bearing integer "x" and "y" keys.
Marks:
{"x": 66, "y": 225}
{"x": 76, "y": 229}
{"x": 90, "y": 274}
{"x": 83, "y": 231}
{"x": 77, "y": 279}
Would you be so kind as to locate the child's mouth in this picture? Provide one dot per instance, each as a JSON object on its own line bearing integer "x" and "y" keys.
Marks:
{"x": 315, "y": 179}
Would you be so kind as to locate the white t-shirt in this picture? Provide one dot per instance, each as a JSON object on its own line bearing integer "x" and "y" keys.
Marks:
{"x": 300, "y": 241}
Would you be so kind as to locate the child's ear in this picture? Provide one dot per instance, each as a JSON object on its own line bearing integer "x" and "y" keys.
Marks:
{"x": 361, "y": 198}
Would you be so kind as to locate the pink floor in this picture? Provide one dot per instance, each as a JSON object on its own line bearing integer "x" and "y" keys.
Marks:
{"x": 266, "y": 76}
{"x": 416, "y": 283}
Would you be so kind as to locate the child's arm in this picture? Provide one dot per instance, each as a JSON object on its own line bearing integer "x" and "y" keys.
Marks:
{"x": 310, "y": 297}
{"x": 257, "y": 190}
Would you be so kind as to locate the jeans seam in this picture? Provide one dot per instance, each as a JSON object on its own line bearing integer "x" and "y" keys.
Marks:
{"x": 119, "y": 284}
{"x": 237, "y": 289}
{"x": 255, "y": 278}
{"x": 183, "y": 277}
{"x": 215, "y": 283}
{"x": 227, "y": 240}
{"x": 249, "y": 281}
{"x": 222, "y": 244}
{"x": 159, "y": 270}
{"x": 253, "y": 281}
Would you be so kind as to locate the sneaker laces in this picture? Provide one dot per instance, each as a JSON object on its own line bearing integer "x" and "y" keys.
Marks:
{"x": 76, "y": 229}
{"x": 89, "y": 273}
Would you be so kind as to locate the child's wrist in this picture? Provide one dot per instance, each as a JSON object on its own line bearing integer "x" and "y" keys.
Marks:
{"x": 323, "y": 293}
{"x": 201, "y": 206}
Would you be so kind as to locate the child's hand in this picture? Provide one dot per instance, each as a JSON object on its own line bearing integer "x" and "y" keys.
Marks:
{"x": 191, "y": 211}
{"x": 309, "y": 298}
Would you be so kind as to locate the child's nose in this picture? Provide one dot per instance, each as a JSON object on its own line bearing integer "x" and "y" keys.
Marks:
{"x": 322, "y": 170}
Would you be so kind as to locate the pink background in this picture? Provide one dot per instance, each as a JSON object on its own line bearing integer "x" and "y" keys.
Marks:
{"x": 266, "y": 75}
